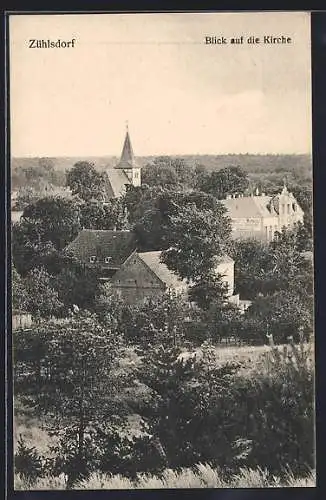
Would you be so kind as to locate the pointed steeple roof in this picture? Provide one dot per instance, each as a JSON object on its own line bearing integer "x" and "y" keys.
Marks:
{"x": 127, "y": 159}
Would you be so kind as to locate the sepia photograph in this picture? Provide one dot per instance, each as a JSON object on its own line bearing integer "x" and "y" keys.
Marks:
{"x": 161, "y": 200}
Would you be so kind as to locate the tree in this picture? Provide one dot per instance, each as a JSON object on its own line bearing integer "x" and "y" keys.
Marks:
{"x": 96, "y": 215}
{"x": 283, "y": 314}
{"x": 251, "y": 258}
{"x": 42, "y": 299}
{"x": 160, "y": 320}
{"x": 155, "y": 229}
{"x": 86, "y": 182}
{"x": 77, "y": 285}
{"x": 287, "y": 264}
{"x": 78, "y": 389}
{"x": 157, "y": 175}
{"x": 52, "y": 219}
{"x": 229, "y": 180}
{"x": 304, "y": 196}
{"x": 207, "y": 289}
{"x": 137, "y": 200}
{"x": 46, "y": 227}
{"x": 189, "y": 408}
{"x": 197, "y": 237}
{"x": 26, "y": 195}
{"x": 262, "y": 268}
{"x": 109, "y": 307}
{"x": 28, "y": 254}
{"x": 223, "y": 320}
{"x": 19, "y": 293}
{"x": 168, "y": 171}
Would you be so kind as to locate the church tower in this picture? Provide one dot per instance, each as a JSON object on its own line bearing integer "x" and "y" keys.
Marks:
{"x": 128, "y": 163}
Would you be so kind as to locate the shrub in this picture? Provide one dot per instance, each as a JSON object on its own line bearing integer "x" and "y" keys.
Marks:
{"x": 190, "y": 406}
{"x": 275, "y": 406}
{"x": 28, "y": 462}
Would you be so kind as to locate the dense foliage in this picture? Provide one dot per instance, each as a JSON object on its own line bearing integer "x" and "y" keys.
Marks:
{"x": 91, "y": 365}
{"x": 192, "y": 409}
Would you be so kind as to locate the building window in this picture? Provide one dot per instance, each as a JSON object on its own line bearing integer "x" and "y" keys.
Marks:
{"x": 294, "y": 207}
{"x": 107, "y": 260}
{"x": 288, "y": 207}
{"x": 92, "y": 259}
{"x": 283, "y": 209}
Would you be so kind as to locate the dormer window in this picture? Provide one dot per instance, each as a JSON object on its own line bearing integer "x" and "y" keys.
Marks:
{"x": 107, "y": 260}
{"x": 92, "y": 259}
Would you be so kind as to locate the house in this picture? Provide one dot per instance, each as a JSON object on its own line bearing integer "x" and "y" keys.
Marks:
{"x": 260, "y": 216}
{"x": 136, "y": 276}
{"x": 102, "y": 249}
{"x": 126, "y": 172}
{"x": 143, "y": 276}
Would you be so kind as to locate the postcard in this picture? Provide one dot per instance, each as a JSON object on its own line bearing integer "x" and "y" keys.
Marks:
{"x": 162, "y": 250}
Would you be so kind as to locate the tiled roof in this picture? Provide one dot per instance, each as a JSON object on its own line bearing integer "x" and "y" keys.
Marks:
{"x": 117, "y": 182}
{"x": 248, "y": 206}
{"x": 115, "y": 244}
{"x": 169, "y": 278}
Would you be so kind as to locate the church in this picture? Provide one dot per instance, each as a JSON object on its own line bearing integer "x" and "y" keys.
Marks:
{"x": 126, "y": 172}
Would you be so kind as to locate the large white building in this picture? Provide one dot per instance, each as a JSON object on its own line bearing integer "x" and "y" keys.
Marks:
{"x": 260, "y": 216}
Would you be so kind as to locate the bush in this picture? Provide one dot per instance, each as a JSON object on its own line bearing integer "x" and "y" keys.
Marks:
{"x": 28, "y": 462}
{"x": 275, "y": 407}
{"x": 233, "y": 415}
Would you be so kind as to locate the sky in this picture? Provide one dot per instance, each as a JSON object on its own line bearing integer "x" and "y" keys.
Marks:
{"x": 179, "y": 95}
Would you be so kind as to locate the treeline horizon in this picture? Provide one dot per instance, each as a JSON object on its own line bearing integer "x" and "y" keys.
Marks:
{"x": 250, "y": 162}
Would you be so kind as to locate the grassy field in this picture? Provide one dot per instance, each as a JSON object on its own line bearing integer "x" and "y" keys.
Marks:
{"x": 199, "y": 476}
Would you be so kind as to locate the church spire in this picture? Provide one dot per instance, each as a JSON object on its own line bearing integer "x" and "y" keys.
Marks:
{"x": 127, "y": 159}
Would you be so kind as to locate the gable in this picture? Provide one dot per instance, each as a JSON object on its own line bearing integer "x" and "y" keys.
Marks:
{"x": 287, "y": 198}
{"x": 135, "y": 273}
